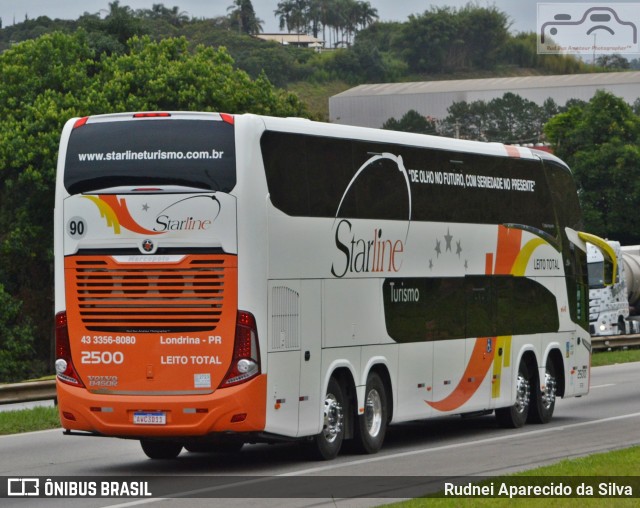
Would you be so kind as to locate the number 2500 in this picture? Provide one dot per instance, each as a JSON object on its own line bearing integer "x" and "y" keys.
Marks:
{"x": 104, "y": 357}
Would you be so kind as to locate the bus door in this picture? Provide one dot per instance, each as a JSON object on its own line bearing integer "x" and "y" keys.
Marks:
{"x": 294, "y": 354}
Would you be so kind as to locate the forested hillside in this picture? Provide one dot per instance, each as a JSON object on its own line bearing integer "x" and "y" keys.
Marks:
{"x": 441, "y": 41}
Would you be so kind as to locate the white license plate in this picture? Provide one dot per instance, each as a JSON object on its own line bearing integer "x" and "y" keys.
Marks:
{"x": 149, "y": 418}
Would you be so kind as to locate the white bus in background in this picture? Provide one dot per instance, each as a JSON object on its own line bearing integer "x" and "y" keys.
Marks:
{"x": 228, "y": 279}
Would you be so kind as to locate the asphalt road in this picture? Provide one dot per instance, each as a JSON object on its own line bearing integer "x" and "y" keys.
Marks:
{"x": 607, "y": 419}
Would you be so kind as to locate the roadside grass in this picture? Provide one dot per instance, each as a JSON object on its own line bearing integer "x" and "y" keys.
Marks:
{"x": 604, "y": 466}
{"x": 29, "y": 420}
{"x": 600, "y": 358}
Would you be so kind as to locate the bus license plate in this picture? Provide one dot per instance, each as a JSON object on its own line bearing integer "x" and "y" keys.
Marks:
{"x": 148, "y": 418}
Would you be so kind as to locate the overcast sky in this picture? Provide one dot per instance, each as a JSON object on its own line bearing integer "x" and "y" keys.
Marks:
{"x": 522, "y": 13}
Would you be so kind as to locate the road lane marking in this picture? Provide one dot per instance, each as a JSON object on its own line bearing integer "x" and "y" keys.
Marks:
{"x": 378, "y": 458}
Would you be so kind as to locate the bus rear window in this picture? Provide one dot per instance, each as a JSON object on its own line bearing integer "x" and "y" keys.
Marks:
{"x": 191, "y": 153}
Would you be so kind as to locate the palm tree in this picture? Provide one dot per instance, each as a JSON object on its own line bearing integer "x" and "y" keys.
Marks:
{"x": 243, "y": 13}
{"x": 177, "y": 17}
{"x": 283, "y": 12}
{"x": 294, "y": 15}
{"x": 367, "y": 14}
{"x": 122, "y": 22}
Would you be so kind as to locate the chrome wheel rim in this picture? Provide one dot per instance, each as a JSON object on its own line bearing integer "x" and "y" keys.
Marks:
{"x": 523, "y": 394}
{"x": 549, "y": 392}
{"x": 373, "y": 413}
{"x": 333, "y": 418}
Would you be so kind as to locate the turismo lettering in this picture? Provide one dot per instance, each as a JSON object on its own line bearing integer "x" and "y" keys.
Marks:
{"x": 373, "y": 255}
{"x": 403, "y": 295}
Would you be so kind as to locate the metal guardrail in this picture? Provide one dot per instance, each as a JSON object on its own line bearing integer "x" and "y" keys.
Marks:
{"x": 46, "y": 390}
{"x": 614, "y": 341}
{"x": 27, "y": 392}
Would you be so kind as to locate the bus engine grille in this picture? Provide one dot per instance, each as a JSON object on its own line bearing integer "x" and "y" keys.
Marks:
{"x": 152, "y": 297}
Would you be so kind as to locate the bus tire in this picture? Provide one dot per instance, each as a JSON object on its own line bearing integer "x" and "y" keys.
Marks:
{"x": 164, "y": 450}
{"x": 543, "y": 403}
{"x": 622, "y": 326}
{"x": 372, "y": 425}
{"x": 515, "y": 416}
{"x": 329, "y": 441}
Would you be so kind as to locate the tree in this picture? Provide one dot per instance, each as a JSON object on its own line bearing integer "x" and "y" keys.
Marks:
{"x": 244, "y": 17}
{"x": 466, "y": 120}
{"x": 18, "y": 360}
{"x": 122, "y": 22}
{"x": 514, "y": 120}
{"x": 507, "y": 119}
{"x": 445, "y": 39}
{"x": 412, "y": 121}
{"x": 601, "y": 143}
{"x": 613, "y": 62}
{"x": 44, "y": 82}
{"x": 293, "y": 15}
{"x": 344, "y": 16}
{"x": 173, "y": 16}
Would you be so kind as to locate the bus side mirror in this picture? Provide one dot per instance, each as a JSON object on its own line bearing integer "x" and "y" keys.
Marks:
{"x": 608, "y": 254}
{"x": 609, "y": 272}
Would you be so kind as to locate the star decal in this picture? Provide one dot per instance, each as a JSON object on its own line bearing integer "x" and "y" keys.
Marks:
{"x": 447, "y": 238}
{"x": 445, "y": 244}
{"x": 145, "y": 207}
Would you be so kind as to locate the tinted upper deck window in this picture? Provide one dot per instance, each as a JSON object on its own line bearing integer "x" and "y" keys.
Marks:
{"x": 192, "y": 153}
{"x": 315, "y": 176}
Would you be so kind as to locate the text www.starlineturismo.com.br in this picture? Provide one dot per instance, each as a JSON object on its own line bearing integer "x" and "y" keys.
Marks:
{"x": 157, "y": 155}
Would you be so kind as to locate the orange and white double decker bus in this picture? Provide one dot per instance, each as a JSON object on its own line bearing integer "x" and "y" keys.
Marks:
{"x": 227, "y": 279}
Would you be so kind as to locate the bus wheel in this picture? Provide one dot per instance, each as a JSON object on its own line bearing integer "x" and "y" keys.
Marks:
{"x": 329, "y": 441}
{"x": 515, "y": 416}
{"x": 160, "y": 449}
{"x": 372, "y": 425}
{"x": 544, "y": 400}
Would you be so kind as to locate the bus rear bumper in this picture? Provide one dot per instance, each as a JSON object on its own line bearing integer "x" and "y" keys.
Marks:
{"x": 239, "y": 409}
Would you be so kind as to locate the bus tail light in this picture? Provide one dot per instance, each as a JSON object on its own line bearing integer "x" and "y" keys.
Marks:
{"x": 153, "y": 114}
{"x": 245, "y": 363}
{"x": 65, "y": 370}
{"x": 80, "y": 122}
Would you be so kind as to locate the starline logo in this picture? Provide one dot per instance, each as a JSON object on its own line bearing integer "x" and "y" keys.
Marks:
{"x": 375, "y": 254}
{"x": 166, "y": 223}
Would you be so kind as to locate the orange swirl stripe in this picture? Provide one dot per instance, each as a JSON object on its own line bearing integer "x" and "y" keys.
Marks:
{"x": 508, "y": 249}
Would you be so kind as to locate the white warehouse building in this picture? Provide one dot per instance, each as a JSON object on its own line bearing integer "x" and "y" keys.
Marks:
{"x": 372, "y": 105}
